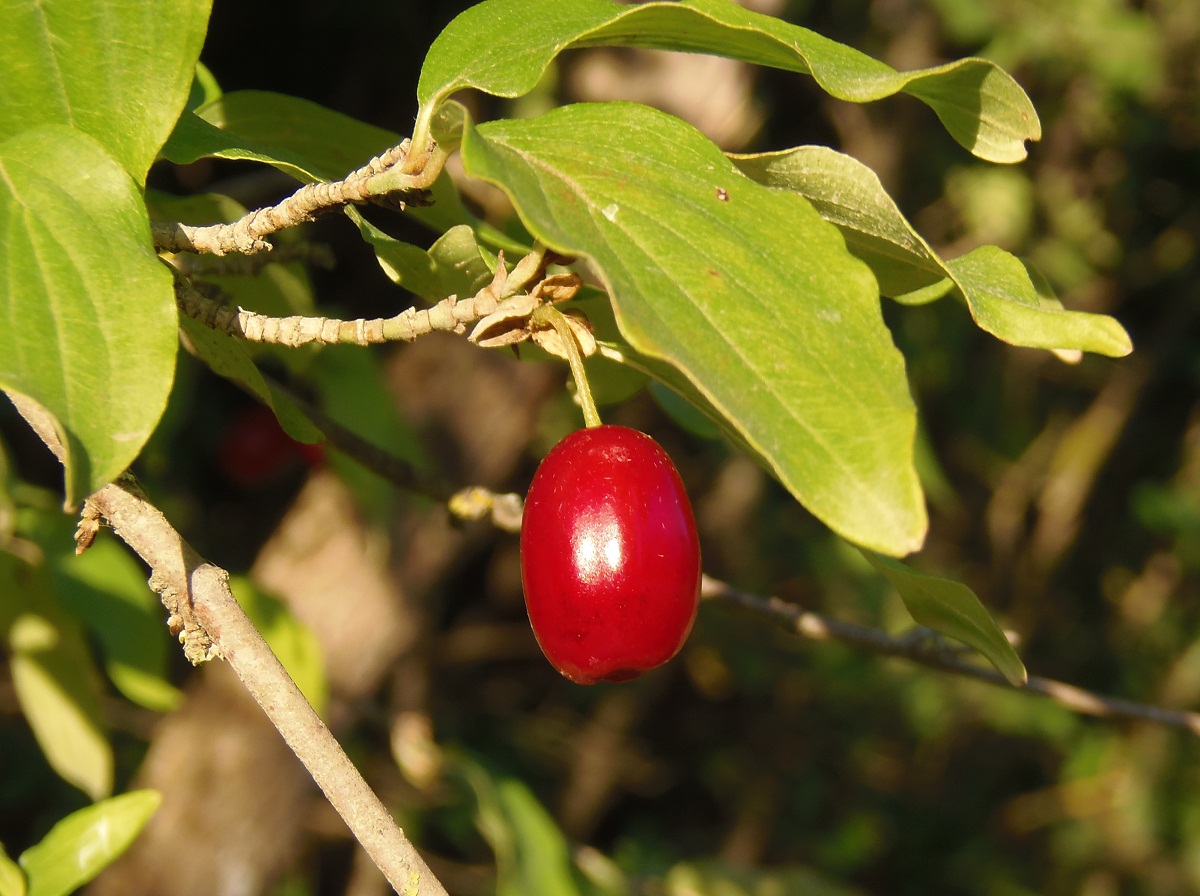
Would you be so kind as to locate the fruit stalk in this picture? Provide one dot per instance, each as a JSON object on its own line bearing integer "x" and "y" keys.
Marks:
{"x": 552, "y": 316}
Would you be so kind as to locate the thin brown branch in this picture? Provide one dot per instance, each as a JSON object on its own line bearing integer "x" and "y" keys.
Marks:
{"x": 249, "y": 234}
{"x": 472, "y": 504}
{"x": 209, "y": 621}
{"x": 382, "y": 463}
{"x": 922, "y": 646}
{"x": 934, "y": 652}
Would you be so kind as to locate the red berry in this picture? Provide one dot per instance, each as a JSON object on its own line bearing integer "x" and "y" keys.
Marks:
{"x": 255, "y": 450}
{"x": 610, "y": 561}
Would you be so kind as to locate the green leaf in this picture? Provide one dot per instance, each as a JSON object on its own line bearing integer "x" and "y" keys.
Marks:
{"x": 1004, "y": 301}
{"x": 953, "y": 609}
{"x": 404, "y": 264}
{"x": 204, "y": 90}
{"x": 58, "y": 688}
{"x": 85, "y": 842}
{"x": 717, "y": 878}
{"x": 305, "y": 139}
{"x": 454, "y": 265}
{"x": 463, "y": 266}
{"x": 119, "y": 71}
{"x": 290, "y": 640}
{"x": 848, "y": 193}
{"x": 494, "y": 47}
{"x": 532, "y": 855}
{"x": 228, "y": 357}
{"x": 88, "y": 322}
{"x": 705, "y": 272}
{"x": 995, "y": 285}
{"x": 12, "y": 878}
{"x": 105, "y": 588}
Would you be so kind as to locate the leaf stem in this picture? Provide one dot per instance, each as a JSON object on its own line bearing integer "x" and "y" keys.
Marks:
{"x": 551, "y": 315}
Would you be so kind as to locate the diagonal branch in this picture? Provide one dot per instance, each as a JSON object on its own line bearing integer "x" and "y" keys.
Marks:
{"x": 209, "y": 621}
{"x": 919, "y": 645}
{"x": 934, "y": 652}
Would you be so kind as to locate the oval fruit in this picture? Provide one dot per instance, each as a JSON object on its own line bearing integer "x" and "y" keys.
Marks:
{"x": 610, "y": 560}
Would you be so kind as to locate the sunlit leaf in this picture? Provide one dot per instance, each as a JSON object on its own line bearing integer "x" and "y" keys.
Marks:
{"x": 119, "y": 71}
{"x": 88, "y": 321}
{"x": 85, "y": 842}
{"x": 953, "y": 609}
{"x": 494, "y": 47}
{"x": 12, "y": 878}
{"x": 1004, "y": 301}
{"x": 58, "y": 688}
{"x": 106, "y": 589}
{"x": 995, "y": 285}
{"x": 743, "y": 289}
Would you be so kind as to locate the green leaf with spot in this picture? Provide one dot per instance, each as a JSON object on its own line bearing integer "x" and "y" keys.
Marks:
{"x": 504, "y": 46}
{"x": 953, "y": 609}
{"x": 119, "y": 71}
{"x": 743, "y": 289}
{"x": 88, "y": 321}
{"x": 86, "y": 842}
{"x": 994, "y": 284}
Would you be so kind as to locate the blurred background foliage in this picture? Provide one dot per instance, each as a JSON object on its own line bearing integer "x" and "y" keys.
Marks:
{"x": 1067, "y": 496}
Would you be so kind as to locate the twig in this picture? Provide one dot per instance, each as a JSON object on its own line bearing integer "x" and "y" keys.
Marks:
{"x": 472, "y": 504}
{"x": 501, "y": 298}
{"x": 449, "y": 315}
{"x": 382, "y": 463}
{"x": 208, "y": 619}
{"x": 919, "y": 645}
{"x": 248, "y": 234}
{"x": 937, "y": 654}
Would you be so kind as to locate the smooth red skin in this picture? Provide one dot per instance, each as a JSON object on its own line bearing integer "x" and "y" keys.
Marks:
{"x": 610, "y": 561}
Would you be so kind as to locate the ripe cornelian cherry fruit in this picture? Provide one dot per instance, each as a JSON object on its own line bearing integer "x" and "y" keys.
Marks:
{"x": 610, "y": 561}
